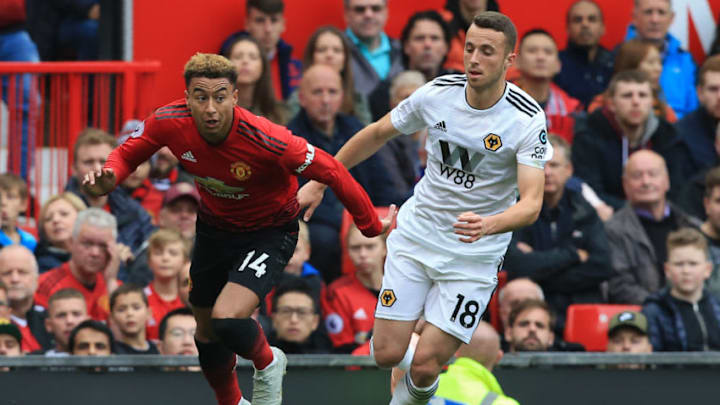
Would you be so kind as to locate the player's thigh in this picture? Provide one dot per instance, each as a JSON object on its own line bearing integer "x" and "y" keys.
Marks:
{"x": 456, "y": 307}
{"x": 434, "y": 348}
{"x": 235, "y": 301}
{"x": 391, "y": 339}
{"x": 214, "y": 254}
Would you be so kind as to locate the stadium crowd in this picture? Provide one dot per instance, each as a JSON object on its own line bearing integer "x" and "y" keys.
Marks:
{"x": 631, "y": 211}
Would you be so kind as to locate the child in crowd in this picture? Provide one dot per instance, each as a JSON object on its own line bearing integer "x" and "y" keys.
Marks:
{"x": 13, "y": 201}
{"x": 129, "y": 313}
{"x": 168, "y": 253}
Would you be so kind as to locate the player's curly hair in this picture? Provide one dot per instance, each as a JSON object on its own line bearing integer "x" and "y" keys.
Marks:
{"x": 211, "y": 66}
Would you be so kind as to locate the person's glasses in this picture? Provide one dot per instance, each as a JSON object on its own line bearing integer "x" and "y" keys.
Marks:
{"x": 287, "y": 312}
{"x": 376, "y": 8}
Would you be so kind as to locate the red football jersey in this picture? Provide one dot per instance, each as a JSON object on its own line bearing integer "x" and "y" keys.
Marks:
{"x": 247, "y": 181}
{"x": 158, "y": 309}
{"x": 97, "y": 300}
{"x": 351, "y": 311}
{"x": 29, "y": 343}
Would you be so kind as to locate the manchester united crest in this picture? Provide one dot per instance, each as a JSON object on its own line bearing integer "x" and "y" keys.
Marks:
{"x": 240, "y": 170}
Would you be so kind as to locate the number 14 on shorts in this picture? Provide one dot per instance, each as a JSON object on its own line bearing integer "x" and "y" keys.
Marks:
{"x": 258, "y": 264}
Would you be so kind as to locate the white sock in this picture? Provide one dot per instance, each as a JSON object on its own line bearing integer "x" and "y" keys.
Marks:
{"x": 406, "y": 393}
{"x": 406, "y": 361}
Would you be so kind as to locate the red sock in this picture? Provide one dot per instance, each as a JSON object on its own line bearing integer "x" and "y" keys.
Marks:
{"x": 261, "y": 354}
{"x": 218, "y": 366}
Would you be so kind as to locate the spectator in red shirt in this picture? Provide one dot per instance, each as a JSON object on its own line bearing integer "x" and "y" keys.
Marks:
{"x": 19, "y": 273}
{"x": 66, "y": 309}
{"x": 129, "y": 313}
{"x": 94, "y": 264}
{"x": 352, "y": 299}
{"x": 168, "y": 254}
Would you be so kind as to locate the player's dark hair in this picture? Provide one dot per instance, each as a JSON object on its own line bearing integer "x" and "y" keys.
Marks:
{"x": 528, "y": 304}
{"x": 184, "y": 311}
{"x": 427, "y": 15}
{"x": 293, "y": 285}
{"x": 265, "y": 6}
{"x": 536, "y": 31}
{"x": 498, "y": 22}
{"x": 127, "y": 288}
{"x": 90, "y": 324}
{"x": 211, "y": 66}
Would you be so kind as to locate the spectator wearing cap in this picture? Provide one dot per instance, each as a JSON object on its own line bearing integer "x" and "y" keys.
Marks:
{"x": 628, "y": 333}
{"x": 179, "y": 213}
{"x": 10, "y": 339}
{"x": 684, "y": 316}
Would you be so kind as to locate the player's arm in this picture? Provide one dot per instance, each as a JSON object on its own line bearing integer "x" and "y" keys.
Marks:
{"x": 531, "y": 184}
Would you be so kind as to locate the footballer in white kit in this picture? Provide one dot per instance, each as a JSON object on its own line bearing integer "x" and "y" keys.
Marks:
{"x": 471, "y": 166}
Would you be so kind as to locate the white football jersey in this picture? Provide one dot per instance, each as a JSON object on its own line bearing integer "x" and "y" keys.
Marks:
{"x": 472, "y": 158}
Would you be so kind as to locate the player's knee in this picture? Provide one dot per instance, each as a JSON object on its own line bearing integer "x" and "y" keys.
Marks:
{"x": 236, "y": 334}
{"x": 425, "y": 368}
{"x": 387, "y": 356}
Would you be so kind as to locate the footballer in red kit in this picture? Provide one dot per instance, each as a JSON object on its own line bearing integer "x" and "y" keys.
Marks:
{"x": 244, "y": 168}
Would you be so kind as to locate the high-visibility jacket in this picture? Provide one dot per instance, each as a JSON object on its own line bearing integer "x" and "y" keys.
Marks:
{"x": 468, "y": 382}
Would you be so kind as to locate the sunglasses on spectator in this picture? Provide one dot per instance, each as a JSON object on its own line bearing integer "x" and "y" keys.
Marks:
{"x": 376, "y": 8}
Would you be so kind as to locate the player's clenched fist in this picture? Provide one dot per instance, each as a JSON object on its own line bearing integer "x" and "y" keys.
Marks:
{"x": 99, "y": 182}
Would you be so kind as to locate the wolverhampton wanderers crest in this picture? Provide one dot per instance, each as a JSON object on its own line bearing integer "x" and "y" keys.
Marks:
{"x": 387, "y": 298}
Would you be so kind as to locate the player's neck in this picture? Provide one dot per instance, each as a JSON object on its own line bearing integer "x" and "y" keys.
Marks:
{"x": 20, "y": 308}
{"x": 245, "y": 95}
{"x": 484, "y": 98}
{"x": 167, "y": 289}
{"x": 538, "y": 89}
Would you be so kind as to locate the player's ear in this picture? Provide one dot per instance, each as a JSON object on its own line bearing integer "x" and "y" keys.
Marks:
{"x": 187, "y": 96}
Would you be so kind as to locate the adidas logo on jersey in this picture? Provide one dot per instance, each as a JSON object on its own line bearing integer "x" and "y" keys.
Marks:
{"x": 360, "y": 314}
{"x": 441, "y": 126}
{"x": 189, "y": 157}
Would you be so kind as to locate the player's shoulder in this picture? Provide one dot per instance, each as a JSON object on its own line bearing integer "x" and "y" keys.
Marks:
{"x": 451, "y": 80}
{"x": 522, "y": 104}
{"x": 262, "y": 132}
{"x": 175, "y": 110}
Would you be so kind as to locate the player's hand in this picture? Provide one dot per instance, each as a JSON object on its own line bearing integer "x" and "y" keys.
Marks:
{"x": 310, "y": 196}
{"x": 389, "y": 218}
{"x": 472, "y": 226}
{"x": 99, "y": 182}
{"x": 524, "y": 247}
{"x": 114, "y": 251}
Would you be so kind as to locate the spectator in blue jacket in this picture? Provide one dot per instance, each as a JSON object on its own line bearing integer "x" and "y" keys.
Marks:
{"x": 264, "y": 21}
{"x": 651, "y": 21}
{"x": 684, "y": 316}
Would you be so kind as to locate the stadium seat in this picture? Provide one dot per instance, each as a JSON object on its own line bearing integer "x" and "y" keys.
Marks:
{"x": 587, "y": 324}
{"x": 494, "y": 305}
{"x": 347, "y": 266}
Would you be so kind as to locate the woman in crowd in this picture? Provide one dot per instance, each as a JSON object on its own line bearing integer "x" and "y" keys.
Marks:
{"x": 57, "y": 218}
{"x": 255, "y": 92}
{"x": 328, "y": 46}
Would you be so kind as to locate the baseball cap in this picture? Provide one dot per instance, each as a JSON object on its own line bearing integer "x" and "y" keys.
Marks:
{"x": 631, "y": 319}
{"x": 179, "y": 190}
{"x": 9, "y": 328}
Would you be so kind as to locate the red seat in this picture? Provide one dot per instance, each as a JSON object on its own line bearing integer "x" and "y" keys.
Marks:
{"x": 588, "y": 323}
{"x": 494, "y": 305}
{"x": 347, "y": 266}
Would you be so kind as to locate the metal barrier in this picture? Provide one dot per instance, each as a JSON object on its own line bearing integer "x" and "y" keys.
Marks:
{"x": 44, "y": 106}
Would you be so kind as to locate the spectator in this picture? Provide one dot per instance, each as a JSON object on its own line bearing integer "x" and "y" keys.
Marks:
{"x": 374, "y": 55}
{"x": 636, "y": 54}
{"x": 57, "y": 217}
{"x": 166, "y": 171}
{"x": 637, "y": 232}
{"x": 90, "y": 152}
{"x": 168, "y": 254}
{"x": 19, "y": 273}
{"x": 683, "y": 316}
{"x": 459, "y": 15}
{"x": 352, "y": 298}
{"x": 425, "y": 42}
{"x": 66, "y": 309}
{"x": 328, "y": 45}
{"x": 628, "y": 333}
{"x": 515, "y": 292}
{"x": 530, "y": 327}
{"x": 538, "y": 63}
{"x": 13, "y": 201}
{"x": 566, "y": 250}
{"x": 711, "y": 227}
{"x": 130, "y": 313}
{"x": 17, "y": 46}
{"x": 5, "y": 309}
{"x": 10, "y": 339}
{"x": 265, "y": 21}
{"x": 177, "y": 330}
{"x": 699, "y": 128}
{"x": 469, "y": 379}
{"x": 321, "y": 123}
{"x": 78, "y": 31}
{"x": 295, "y": 320}
{"x": 605, "y": 140}
{"x": 254, "y": 84}
{"x": 586, "y": 65}
{"x": 651, "y": 21}
{"x": 91, "y": 338}
{"x": 93, "y": 264}
{"x": 179, "y": 213}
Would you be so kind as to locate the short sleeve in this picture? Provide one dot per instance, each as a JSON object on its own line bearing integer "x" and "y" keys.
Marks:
{"x": 534, "y": 149}
{"x": 407, "y": 116}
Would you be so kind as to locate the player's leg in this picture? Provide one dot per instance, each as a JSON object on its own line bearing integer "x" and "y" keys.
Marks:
{"x": 390, "y": 341}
